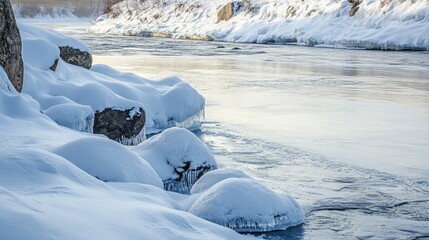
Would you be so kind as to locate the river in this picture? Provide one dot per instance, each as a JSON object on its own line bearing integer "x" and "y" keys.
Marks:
{"x": 345, "y": 132}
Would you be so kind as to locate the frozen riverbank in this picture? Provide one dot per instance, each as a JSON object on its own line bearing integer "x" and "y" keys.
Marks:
{"x": 382, "y": 25}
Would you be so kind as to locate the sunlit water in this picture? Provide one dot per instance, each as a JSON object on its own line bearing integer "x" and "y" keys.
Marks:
{"x": 345, "y": 132}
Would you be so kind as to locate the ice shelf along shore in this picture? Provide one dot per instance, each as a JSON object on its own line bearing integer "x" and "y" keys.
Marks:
{"x": 368, "y": 24}
{"x": 56, "y": 176}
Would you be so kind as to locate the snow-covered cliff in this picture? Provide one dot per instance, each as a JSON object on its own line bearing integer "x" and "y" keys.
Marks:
{"x": 369, "y": 24}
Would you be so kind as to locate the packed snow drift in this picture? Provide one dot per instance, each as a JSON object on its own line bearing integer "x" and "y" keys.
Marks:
{"x": 60, "y": 181}
{"x": 369, "y": 24}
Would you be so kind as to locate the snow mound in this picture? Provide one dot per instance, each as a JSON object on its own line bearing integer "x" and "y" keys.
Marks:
{"x": 393, "y": 25}
{"x": 108, "y": 161}
{"x": 211, "y": 178}
{"x": 246, "y": 206}
{"x": 178, "y": 156}
{"x": 73, "y": 116}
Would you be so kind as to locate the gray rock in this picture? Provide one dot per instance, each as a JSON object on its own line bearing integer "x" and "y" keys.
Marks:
{"x": 355, "y": 7}
{"x": 121, "y": 125}
{"x": 76, "y": 57}
{"x": 229, "y": 11}
{"x": 10, "y": 46}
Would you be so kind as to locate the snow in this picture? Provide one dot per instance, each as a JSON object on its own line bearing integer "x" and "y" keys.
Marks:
{"x": 167, "y": 102}
{"x": 108, "y": 161}
{"x": 247, "y": 206}
{"x": 177, "y": 154}
{"x": 45, "y": 196}
{"x": 61, "y": 182}
{"x": 395, "y": 25}
{"x": 211, "y": 178}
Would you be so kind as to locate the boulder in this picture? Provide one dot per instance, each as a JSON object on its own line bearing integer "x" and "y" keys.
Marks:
{"x": 76, "y": 57}
{"x": 124, "y": 126}
{"x": 179, "y": 157}
{"x": 229, "y": 11}
{"x": 10, "y": 46}
{"x": 355, "y": 6}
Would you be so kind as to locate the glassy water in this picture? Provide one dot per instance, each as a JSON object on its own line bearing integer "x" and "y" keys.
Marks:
{"x": 345, "y": 132}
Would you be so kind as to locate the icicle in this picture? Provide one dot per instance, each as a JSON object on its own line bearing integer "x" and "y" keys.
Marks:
{"x": 133, "y": 140}
{"x": 186, "y": 181}
{"x": 193, "y": 122}
{"x": 278, "y": 222}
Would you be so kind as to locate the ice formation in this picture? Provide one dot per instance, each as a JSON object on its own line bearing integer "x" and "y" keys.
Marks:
{"x": 211, "y": 178}
{"x": 73, "y": 116}
{"x": 245, "y": 205}
{"x": 108, "y": 161}
{"x": 396, "y": 25}
{"x": 178, "y": 156}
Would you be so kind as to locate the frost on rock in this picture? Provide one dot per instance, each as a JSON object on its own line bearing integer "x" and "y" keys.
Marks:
{"x": 108, "y": 161}
{"x": 211, "y": 178}
{"x": 246, "y": 206}
{"x": 179, "y": 158}
{"x": 73, "y": 116}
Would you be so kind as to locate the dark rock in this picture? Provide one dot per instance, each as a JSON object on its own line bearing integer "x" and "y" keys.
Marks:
{"x": 118, "y": 125}
{"x": 54, "y": 66}
{"x": 76, "y": 57}
{"x": 187, "y": 177}
{"x": 10, "y": 46}
{"x": 355, "y": 7}
{"x": 229, "y": 11}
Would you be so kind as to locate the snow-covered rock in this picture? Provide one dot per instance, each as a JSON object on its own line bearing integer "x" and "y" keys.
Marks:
{"x": 178, "y": 156}
{"x": 166, "y": 103}
{"x": 108, "y": 161}
{"x": 375, "y": 24}
{"x": 211, "y": 178}
{"x": 246, "y": 206}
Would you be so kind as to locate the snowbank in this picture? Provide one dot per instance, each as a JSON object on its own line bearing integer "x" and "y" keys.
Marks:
{"x": 45, "y": 196}
{"x": 167, "y": 103}
{"x": 246, "y": 206}
{"x": 178, "y": 156}
{"x": 396, "y": 25}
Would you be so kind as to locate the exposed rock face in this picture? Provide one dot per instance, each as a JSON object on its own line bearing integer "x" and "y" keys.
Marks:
{"x": 124, "y": 126}
{"x": 76, "y": 57}
{"x": 10, "y": 46}
{"x": 355, "y": 6}
{"x": 229, "y": 11}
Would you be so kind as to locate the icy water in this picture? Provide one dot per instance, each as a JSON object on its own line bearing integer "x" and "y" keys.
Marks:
{"x": 345, "y": 132}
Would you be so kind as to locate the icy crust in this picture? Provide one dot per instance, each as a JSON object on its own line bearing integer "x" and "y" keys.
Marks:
{"x": 167, "y": 102}
{"x": 211, "y": 178}
{"x": 394, "y": 25}
{"x": 246, "y": 206}
{"x": 179, "y": 158}
{"x": 108, "y": 161}
{"x": 73, "y": 116}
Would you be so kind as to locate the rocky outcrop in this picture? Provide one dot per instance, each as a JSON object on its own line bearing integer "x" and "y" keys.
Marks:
{"x": 10, "y": 46}
{"x": 229, "y": 11}
{"x": 76, "y": 57}
{"x": 124, "y": 126}
{"x": 355, "y": 7}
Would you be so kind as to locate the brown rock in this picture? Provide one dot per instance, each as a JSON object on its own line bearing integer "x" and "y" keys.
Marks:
{"x": 76, "y": 57}
{"x": 229, "y": 11}
{"x": 355, "y": 7}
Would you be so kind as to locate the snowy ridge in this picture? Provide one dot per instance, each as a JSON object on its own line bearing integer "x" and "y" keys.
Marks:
{"x": 377, "y": 24}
